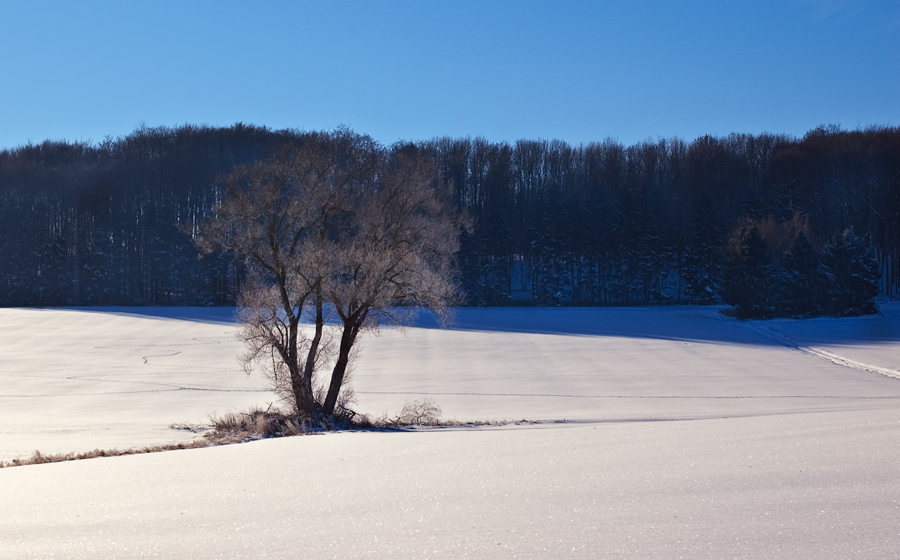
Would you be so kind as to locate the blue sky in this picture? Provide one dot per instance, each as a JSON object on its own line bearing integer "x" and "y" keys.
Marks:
{"x": 579, "y": 71}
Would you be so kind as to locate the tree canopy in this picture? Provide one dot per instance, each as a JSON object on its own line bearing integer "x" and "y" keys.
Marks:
{"x": 332, "y": 223}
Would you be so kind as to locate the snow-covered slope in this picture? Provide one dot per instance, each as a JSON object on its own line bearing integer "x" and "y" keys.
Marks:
{"x": 76, "y": 380}
{"x": 686, "y": 435}
{"x": 632, "y": 363}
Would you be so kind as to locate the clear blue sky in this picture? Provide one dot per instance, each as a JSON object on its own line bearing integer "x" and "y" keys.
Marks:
{"x": 574, "y": 70}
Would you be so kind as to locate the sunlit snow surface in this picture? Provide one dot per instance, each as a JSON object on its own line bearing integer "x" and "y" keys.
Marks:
{"x": 686, "y": 434}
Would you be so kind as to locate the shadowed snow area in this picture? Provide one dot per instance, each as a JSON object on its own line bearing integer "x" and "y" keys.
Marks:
{"x": 687, "y": 434}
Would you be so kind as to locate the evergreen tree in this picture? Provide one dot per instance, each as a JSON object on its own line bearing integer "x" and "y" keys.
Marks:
{"x": 701, "y": 274}
{"x": 701, "y": 268}
{"x": 802, "y": 280}
{"x": 853, "y": 276}
{"x": 748, "y": 272}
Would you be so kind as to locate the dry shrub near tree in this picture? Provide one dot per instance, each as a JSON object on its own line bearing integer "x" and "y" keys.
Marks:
{"x": 335, "y": 224}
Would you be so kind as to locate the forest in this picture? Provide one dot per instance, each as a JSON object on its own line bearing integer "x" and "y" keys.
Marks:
{"x": 599, "y": 224}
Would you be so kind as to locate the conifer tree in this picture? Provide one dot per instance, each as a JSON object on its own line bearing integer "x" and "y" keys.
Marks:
{"x": 853, "y": 276}
{"x": 701, "y": 260}
{"x": 748, "y": 273}
{"x": 803, "y": 281}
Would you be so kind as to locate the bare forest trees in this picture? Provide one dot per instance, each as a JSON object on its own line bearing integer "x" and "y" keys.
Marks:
{"x": 114, "y": 223}
{"x": 332, "y": 224}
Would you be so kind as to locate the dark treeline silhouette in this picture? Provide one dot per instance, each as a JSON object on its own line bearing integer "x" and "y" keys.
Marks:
{"x": 107, "y": 224}
{"x": 597, "y": 224}
{"x": 604, "y": 224}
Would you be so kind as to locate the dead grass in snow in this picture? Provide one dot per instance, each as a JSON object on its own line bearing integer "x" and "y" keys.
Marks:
{"x": 256, "y": 424}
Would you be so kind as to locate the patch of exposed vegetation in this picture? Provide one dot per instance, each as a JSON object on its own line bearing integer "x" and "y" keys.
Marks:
{"x": 38, "y": 458}
{"x": 256, "y": 424}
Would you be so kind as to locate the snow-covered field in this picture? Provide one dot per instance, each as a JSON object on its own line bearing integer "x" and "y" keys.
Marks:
{"x": 662, "y": 432}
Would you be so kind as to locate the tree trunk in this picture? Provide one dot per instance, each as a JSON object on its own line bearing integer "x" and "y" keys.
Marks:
{"x": 348, "y": 337}
{"x": 302, "y": 397}
{"x": 309, "y": 368}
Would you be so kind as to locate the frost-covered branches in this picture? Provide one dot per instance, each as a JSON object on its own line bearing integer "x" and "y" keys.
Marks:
{"x": 394, "y": 253}
{"x": 334, "y": 224}
{"x": 274, "y": 216}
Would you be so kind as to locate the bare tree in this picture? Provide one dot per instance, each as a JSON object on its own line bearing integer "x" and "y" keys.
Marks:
{"x": 336, "y": 224}
{"x": 274, "y": 216}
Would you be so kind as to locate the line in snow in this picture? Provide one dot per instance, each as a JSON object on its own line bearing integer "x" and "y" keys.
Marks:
{"x": 469, "y": 394}
{"x": 836, "y": 359}
{"x": 169, "y": 390}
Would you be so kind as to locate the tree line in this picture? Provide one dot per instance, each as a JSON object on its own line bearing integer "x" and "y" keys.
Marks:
{"x": 605, "y": 224}
{"x": 116, "y": 222}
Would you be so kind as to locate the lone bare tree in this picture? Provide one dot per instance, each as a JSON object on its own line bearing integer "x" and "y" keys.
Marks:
{"x": 273, "y": 216}
{"x": 335, "y": 224}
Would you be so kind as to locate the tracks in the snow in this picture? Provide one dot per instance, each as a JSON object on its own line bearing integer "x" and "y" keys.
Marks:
{"x": 788, "y": 342}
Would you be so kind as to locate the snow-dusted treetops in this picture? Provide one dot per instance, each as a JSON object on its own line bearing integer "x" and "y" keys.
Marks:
{"x": 552, "y": 224}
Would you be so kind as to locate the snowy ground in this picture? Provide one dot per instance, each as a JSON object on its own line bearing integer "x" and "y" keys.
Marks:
{"x": 686, "y": 435}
